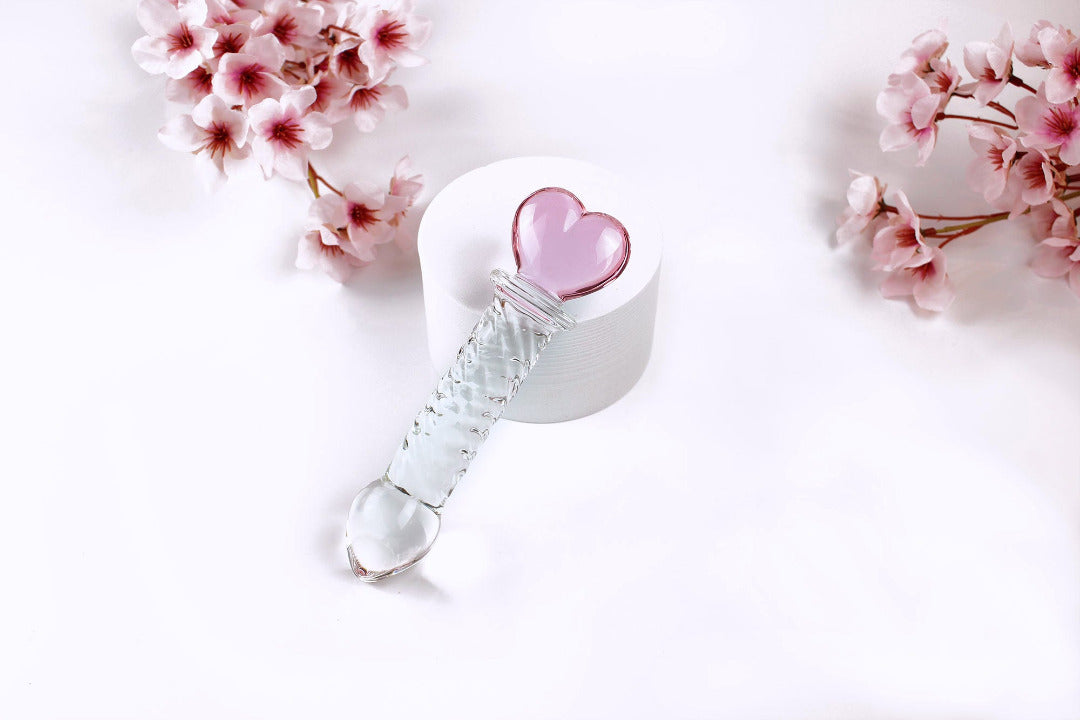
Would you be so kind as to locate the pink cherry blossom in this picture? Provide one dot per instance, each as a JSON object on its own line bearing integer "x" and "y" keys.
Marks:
{"x": 231, "y": 38}
{"x": 253, "y": 75}
{"x": 325, "y": 245}
{"x": 1030, "y": 51}
{"x": 320, "y": 249}
{"x": 911, "y": 108}
{"x": 215, "y": 132}
{"x": 864, "y": 206}
{"x": 347, "y": 64}
{"x": 191, "y": 88}
{"x": 1039, "y": 221}
{"x": 1036, "y": 178}
{"x": 991, "y": 65}
{"x": 331, "y": 94}
{"x": 896, "y": 244}
{"x": 368, "y": 105}
{"x": 943, "y": 78}
{"x": 366, "y": 218}
{"x": 927, "y": 46}
{"x": 176, "y": 41}
{"x": 294, "y": 24}
{"x": 1063, "y": 54}
{"x": 995, "y": 151}
{"x": 283, "y": 132}
{"x": 1046, "y": 126}
{"x": 223, "y": 13}
{"x": 405, "y": 187}
{"x": 1058, "y": 255}
{"x": 926, "y": 280}
{"x": 392, "y": 36}
{"x": 333, "y": 214}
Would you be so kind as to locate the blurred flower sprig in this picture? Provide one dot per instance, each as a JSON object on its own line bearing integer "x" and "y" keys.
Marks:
{"x": 1026, "y": 164}
{"x": 266, "y": 81}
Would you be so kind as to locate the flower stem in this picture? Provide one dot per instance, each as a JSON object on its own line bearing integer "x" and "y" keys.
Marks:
{"x": 890, "y": 208}
{"x": 957, "y": 217}
{"x": 993, "y": 105}
{"x": 996, "y": 217}
{"x": 1002, "y": 109}
{"x": 341, "y": 29}
{"x": 960, "y": 234}
{"x": 947, "y": 116}
{"x": 314, "y": 178}
{"x": 952, "y": 232}
{"x": 1014, "y": 80}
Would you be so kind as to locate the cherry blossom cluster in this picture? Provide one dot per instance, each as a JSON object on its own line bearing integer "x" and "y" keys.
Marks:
{"x": 1027, "y": 156}
{"x": 267, "y": 80}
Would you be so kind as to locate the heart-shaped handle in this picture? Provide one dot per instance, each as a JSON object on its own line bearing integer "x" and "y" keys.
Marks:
{"x": 565, "y": 250}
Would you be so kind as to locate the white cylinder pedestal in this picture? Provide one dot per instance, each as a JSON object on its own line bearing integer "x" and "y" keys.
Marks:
{"x": 466, "y": 232}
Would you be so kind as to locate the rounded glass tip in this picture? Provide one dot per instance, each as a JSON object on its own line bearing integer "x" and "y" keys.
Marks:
{"x": 387, "y": 531}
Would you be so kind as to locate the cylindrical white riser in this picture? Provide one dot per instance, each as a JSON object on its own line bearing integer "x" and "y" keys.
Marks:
{"x": 466, "y": 232}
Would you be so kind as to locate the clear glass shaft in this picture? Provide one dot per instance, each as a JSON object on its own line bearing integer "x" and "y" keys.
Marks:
{"x": 394, "y": 521}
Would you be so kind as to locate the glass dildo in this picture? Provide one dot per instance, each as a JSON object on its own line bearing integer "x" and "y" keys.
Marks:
{"x": 562, "y": 252}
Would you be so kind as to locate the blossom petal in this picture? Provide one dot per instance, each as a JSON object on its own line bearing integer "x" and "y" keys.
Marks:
{"x": 181, "y": 133}
{"x": 1051, "y": 262}
{"x": 924, "y": 110}
{"x": 193, "y": 12}
{"x": 394, "y": 98}
{"x": 895, "y": 137}
{"x": 157, "y": 17}
{"x": 1070, "y": 149}
{"x": 935, "y": 295}
{"x": 1060, "y": 88}
{"x": 1074, "y": 279}
{"x": 211, "y": 171}
{"x": 900, "y": 283}
{"x": 317, "y": 130}
{"x": 292, "y": 165}
{"x": 151, "y": 53}
{"x": 266, "y": 50}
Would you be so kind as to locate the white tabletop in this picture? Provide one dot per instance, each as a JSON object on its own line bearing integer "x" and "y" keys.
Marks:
{"x": 816, "y": 504}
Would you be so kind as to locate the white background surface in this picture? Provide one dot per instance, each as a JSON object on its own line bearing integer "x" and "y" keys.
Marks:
{"x": 816, "y": 504}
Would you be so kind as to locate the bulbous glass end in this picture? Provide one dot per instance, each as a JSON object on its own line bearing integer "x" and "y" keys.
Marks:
{"x": 387, "y": 531}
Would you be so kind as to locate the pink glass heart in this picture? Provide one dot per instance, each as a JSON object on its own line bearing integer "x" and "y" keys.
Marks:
{"x": 565, "y": 250}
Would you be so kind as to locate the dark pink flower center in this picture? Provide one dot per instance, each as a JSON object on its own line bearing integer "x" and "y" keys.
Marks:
{"x": 331, "y": 250}
{"x": 350, "y": 65}
{"x": 201, "y": 80}
{"x": 391, "y": 35}
{"x": 362, "y": 216}
{"x": 939, "y": 81}
{"x": 1033, "y": 174}
{"x": 1071, "y": 64}
{"x": 905, "y": 237}
{"x": 285, "y": 29}
{"x": 229, "y": 41}
{"x": 363, "y": 98}
{"x": 924, "y": 271}
{"x": 1060, "y": 123}
{"x": 325, "y": 90}
{"x": 218, "y": 138}
{"x": 250, "y": 80}
{"x": 181, "y": 39}
{"x": 286, "y": 133}
{"x": 996, "y": 157}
